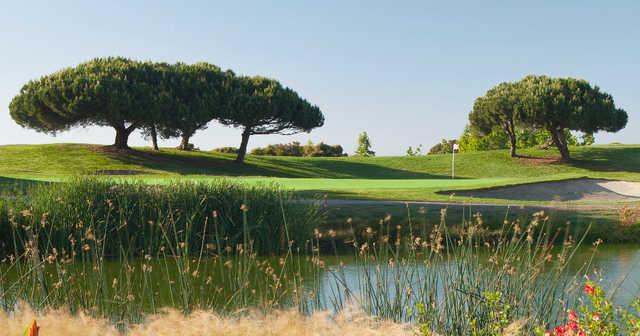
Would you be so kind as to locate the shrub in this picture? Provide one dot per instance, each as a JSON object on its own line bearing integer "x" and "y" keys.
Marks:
{"x": 229, "y": 150}
{"x": 443, "y": 147}
{"x": 295, "y": 149}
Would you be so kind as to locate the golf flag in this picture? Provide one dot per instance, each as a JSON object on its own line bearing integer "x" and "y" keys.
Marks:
{"x": 455, "y": 147}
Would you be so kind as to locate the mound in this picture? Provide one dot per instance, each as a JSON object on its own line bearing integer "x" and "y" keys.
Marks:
{"x": 567, "y": 190}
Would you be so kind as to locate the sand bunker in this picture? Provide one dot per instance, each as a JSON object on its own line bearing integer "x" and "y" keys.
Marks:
{"x": 568, "y": 190}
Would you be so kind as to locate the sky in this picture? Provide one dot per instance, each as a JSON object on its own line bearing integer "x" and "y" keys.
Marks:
{"x": 407, "y": 72}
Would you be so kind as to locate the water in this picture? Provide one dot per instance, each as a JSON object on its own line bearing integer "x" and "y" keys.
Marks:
{"x": 616, "y": 267}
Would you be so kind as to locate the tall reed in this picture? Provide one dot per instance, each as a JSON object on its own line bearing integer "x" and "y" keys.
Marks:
{"x": 122, "y": 251}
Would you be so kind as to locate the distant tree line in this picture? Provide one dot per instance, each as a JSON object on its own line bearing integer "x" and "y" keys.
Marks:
{"x": 161, "y": 100}
{"x": 443, "y": 147}
{"x": 540, "y": 107}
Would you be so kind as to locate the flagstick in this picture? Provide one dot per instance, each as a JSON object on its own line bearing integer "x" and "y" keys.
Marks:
{"x": 453, "y": 164}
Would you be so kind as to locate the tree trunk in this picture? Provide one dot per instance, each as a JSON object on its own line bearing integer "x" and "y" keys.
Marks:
{"x": 512, "y": 138}
{"x": 242, "y": 151}
{"x": 122, "y": 137}
{"x": 154, "y": 137}
{"x": 511, "y": 132}
{"x": 184, "y": 143}
{"x": 560, "y": 140}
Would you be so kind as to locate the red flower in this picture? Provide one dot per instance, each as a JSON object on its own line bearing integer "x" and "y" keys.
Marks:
{"x": 558, "y": 331}
{"x": 573, "y": 316}
{"x": 589, "y": 289}
{"x": 596, "y": 316}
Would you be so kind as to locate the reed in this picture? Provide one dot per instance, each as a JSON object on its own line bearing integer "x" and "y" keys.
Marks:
{"x": 127, "y": 251}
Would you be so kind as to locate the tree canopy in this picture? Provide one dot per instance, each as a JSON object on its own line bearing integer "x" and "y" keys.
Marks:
{"x": 262, "y": 105}
{"x": 197, "y": 94}
{"x": 170, "y": 100}
{"x": 112, "y": 91}
{"x": 498, "y": 108}
{"x": 554, "y": 105}
{"x": 558, "y": 104}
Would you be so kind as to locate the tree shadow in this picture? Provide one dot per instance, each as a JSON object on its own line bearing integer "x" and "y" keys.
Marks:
{"x": 12, "y": 185}
{"x": 203, "y": 163}
{"x": 620, "y": 159}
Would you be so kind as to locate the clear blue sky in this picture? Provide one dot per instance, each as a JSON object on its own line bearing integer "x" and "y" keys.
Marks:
{"x": 406, "y": 72}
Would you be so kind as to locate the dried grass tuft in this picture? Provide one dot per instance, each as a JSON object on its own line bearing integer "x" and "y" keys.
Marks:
{"x": 172, "y": 322}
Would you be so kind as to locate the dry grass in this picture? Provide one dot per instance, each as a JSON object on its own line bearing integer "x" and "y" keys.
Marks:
{"x": 172, "y": 322}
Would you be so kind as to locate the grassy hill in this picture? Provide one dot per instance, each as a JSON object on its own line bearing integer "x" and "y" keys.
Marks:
{"x": 406, "y": 178}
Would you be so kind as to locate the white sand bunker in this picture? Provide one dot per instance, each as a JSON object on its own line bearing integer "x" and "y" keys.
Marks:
{"x": 569, "y": 190}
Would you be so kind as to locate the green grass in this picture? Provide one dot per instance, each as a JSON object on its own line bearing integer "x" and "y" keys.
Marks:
{"x": 397, "y": 178}
{"x": 142, "y": 215}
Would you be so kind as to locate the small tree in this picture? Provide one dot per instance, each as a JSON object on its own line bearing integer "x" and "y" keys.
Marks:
{"x": 261, "y": 105}
{"x": 414, "y": 152}
{"x": 364, "y": 146}
{"x": 587, "y": 139}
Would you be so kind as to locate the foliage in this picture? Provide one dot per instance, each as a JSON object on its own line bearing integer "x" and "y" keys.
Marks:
{"x": 443, "y": 147}
{"x": 167, "y": 100}
{"x": 558, "y": 104}
{"x": 598, "y": 317}
{"x": 229, "y": 150}
{"x": 323, "y": 150}
{"x": 414, "y": 152}
{"x": 555, "y": 105}
{"x": 261, "y": 105}
{"x": 499, "y": 108}
{"x": 586, "y": 139}
{"x": 296, "y": 149}
{"x": 526, "y": 138}
{"x": 364, "y": 146}
{"x": 114, "y": 91}
{"x": 196, "y": 94}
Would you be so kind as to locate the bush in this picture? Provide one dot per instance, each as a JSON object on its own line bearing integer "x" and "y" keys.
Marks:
{"x": 526, "y": 138}
{"x": 295, "y": 149}
{"x": 443, "y": 147}
{"x": 228, "y": 150}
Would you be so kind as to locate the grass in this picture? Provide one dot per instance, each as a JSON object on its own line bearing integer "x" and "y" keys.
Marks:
{"x": 392, "y": 178}
{"x": 141, "y": 216}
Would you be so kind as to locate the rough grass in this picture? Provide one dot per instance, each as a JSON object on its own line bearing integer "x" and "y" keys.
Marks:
{"x": 138, "y": 215}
